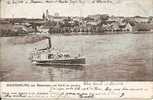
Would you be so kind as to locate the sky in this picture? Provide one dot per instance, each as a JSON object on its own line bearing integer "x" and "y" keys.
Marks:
{"x": 116, "y": 8}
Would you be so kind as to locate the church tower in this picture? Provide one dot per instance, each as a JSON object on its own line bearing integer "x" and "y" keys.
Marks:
{"x": 47, "y": 14}
{"x": 43, "y": 16}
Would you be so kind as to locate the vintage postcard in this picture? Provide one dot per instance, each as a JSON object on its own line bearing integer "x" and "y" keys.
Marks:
{"x": 76, "y": 41}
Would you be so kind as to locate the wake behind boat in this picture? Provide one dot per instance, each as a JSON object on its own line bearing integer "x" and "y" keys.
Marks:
{"x": 51, "y": 56}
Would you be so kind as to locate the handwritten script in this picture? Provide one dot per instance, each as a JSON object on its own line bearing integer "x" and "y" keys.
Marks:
{"x": 76, "y": 89}
{"x": 56, "y": 1}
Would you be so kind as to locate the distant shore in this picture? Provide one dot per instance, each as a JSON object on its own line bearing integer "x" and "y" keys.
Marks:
{"x": 32, "y": 38}
{"x": 77, "y": 33}
{"x": 28, "y": 39}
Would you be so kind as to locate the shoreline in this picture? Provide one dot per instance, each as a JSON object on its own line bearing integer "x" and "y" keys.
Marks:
{"x": 81, "y": 33}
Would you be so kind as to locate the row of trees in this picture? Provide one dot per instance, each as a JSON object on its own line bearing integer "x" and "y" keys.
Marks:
{"x": 4, "y": 33}
{"x": 75, "y": 29}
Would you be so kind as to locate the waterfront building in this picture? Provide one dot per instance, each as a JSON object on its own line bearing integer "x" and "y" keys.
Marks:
{"x": 129, "y": 27}
{"x": 43, "y": 29}
{"x": 140, "y": 19}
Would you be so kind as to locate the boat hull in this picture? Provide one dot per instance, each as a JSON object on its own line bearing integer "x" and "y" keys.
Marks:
{"x": 67, "y": 62}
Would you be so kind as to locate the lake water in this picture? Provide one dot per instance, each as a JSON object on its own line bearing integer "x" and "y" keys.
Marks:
{"x": 108, "y": 57}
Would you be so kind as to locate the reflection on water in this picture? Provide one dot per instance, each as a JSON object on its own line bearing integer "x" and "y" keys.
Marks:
{"x": 109, "y": 57}
{"x": 59, "y": 73}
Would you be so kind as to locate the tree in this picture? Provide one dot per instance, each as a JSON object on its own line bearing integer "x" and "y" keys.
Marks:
{"x": 104, "y": 17}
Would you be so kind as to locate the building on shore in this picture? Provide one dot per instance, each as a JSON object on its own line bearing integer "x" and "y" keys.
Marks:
{"x": 143, "y": 27}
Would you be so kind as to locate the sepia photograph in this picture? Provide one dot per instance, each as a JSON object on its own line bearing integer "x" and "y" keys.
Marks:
{"x": 76, "y": 40}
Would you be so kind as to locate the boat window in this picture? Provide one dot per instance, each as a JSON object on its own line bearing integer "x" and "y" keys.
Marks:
{"x": 38, "y": 56}
{"x": 66, "y": 55}
{"x": 60, "y": 55}
{"x": 50, "y": 56}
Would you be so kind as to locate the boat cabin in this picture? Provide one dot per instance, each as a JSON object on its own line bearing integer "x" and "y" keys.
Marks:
{"x": 50, "y": 55}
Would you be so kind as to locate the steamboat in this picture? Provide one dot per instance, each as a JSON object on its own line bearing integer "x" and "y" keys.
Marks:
{"x": 52, "y": 56}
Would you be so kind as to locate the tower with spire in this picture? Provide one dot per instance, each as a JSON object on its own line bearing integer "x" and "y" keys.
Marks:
{"x": 45, "y": 15}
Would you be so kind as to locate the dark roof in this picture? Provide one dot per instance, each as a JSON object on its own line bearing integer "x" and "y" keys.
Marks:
{"x": 122, "y": 26}
{"x": 4, "y": 22}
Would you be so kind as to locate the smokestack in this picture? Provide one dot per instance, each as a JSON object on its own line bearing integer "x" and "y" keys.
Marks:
{"x": 49, "y": 41}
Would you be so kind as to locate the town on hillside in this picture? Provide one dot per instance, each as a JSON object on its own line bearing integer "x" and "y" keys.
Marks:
{"x": 68, "y": 25}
